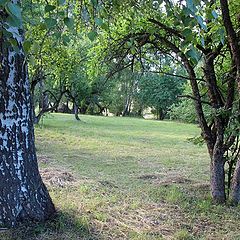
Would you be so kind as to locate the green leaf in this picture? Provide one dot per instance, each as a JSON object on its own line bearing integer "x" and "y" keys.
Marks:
{"x": 49, "y": 8}
{"x": 58, "y": 35}
{"x": 129, "y": 43}
{"x": 35, "y": 48}
{"x": 32, "y": 60}
{"x": 201, "y": 23}
{"x": 193, "y": 54}
{"x": 209, "y": 15}
{"x": 221, "y": 33}
{"x": 191, "y": 6}
{"x": 151, "y": 37}
{"x": 186, "y": 11}
{"x": 94, "y": 2}
{"x": 26, "y": 46}
{"x": 13, "y": 42}
{"x": 6, "y": 33}
{"x": 3, "y": 2}
{"x": 14, "y": 10}
{"x": 13, "y": 21}
{"x": 133, "y": 50}
{"x": 215, "y": 15}
{"x": 50, "y": 22}
{"x": 61, "y": 13}
{"x": 66, "y": 40}
{"x": 69, "y": 22}
{"x": 105, "y": 26}
{"x": 187, "y": 33}
{"x": 61, "y": 2}
{"x": 42, "y": 26}
{"x": 99, "y": 21}
{"x": 92, "y": 35}
{"x": 188, "y": 21}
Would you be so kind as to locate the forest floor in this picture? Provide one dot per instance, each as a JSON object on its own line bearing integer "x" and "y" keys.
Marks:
{"x": 126, "y": 178}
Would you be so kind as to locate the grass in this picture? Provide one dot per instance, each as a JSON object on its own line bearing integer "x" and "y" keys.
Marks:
{"x": 124, "y": 178}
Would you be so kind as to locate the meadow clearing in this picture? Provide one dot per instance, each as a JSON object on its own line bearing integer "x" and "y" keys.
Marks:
{"x": 126, "y": 178}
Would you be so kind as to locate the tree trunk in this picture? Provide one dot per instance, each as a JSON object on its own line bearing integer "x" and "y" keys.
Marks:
{"x": 23, "y": 196}
{"x": 75, "y": 108}
{"x": 161, "y": 114}
{"x": 126, "y": 110}
{"x": 235, "y": 193}
{"x": 44, "y": 101}
{"x": 218, "y": 179}
{"x": 233, "y": 41}
{"x": 217, "y": 162}
{"x": 38, "y": 117}
{"x": 158, "y": 114}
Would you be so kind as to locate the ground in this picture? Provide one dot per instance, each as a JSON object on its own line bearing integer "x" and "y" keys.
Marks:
{"x": 125, "y": 178}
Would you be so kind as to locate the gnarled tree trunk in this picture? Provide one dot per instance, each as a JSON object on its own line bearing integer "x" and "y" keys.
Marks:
{"x": 23, "y": 196}
{"x": 235, "y": 193}
{"x": 233, "y": 40}
{"x": 218, "y": 177}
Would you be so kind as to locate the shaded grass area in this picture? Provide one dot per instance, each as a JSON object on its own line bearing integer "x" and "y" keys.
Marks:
{"x": 123, "y": 178}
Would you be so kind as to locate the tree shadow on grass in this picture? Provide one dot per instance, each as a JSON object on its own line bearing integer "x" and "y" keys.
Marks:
{"x": 64, "y": 226}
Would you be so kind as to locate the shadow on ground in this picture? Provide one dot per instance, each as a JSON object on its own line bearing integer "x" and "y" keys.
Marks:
{"x": 64, "y": 226}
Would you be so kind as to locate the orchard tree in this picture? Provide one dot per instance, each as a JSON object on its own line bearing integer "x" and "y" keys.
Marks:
{"x": 57, "y": 48}
{"x": 192, "y": 32}
{"x": 51, "y": 33}
{"x": 234, "y": 41}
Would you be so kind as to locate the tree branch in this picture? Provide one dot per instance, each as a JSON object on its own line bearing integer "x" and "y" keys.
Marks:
{"x": 168, "y": 29}
{"x": 193, "y": 98}
{"x": 175, "y": 75}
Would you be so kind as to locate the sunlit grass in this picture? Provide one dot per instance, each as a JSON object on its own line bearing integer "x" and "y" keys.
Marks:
{"x": 133, "y": 179}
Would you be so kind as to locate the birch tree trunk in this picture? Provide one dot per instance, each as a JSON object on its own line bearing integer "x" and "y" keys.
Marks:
{"x": 23, "y": 196}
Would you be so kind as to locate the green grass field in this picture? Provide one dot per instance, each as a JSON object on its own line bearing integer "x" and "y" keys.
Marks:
{"x": 125, "y": 178}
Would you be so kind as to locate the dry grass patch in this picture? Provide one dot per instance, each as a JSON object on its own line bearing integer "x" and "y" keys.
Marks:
{"x": 57, "y": 177}
{"x": 165, "y": 179}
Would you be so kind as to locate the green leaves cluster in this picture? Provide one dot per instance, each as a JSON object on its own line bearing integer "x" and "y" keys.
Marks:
{"x": 13, "y": 16}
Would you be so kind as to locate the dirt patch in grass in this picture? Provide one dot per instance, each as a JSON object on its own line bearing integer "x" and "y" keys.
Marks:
{"x": 42, "y": 159}
{"x": 149, "y": 177}
{"x": 203, "y": 187}
{"x": 148, "y": 220}
{"x": 57, "y": 177}
{"x": 177, "y": 180}
{"x": 165, "y": 180}
{"x": 107, "y": 184}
